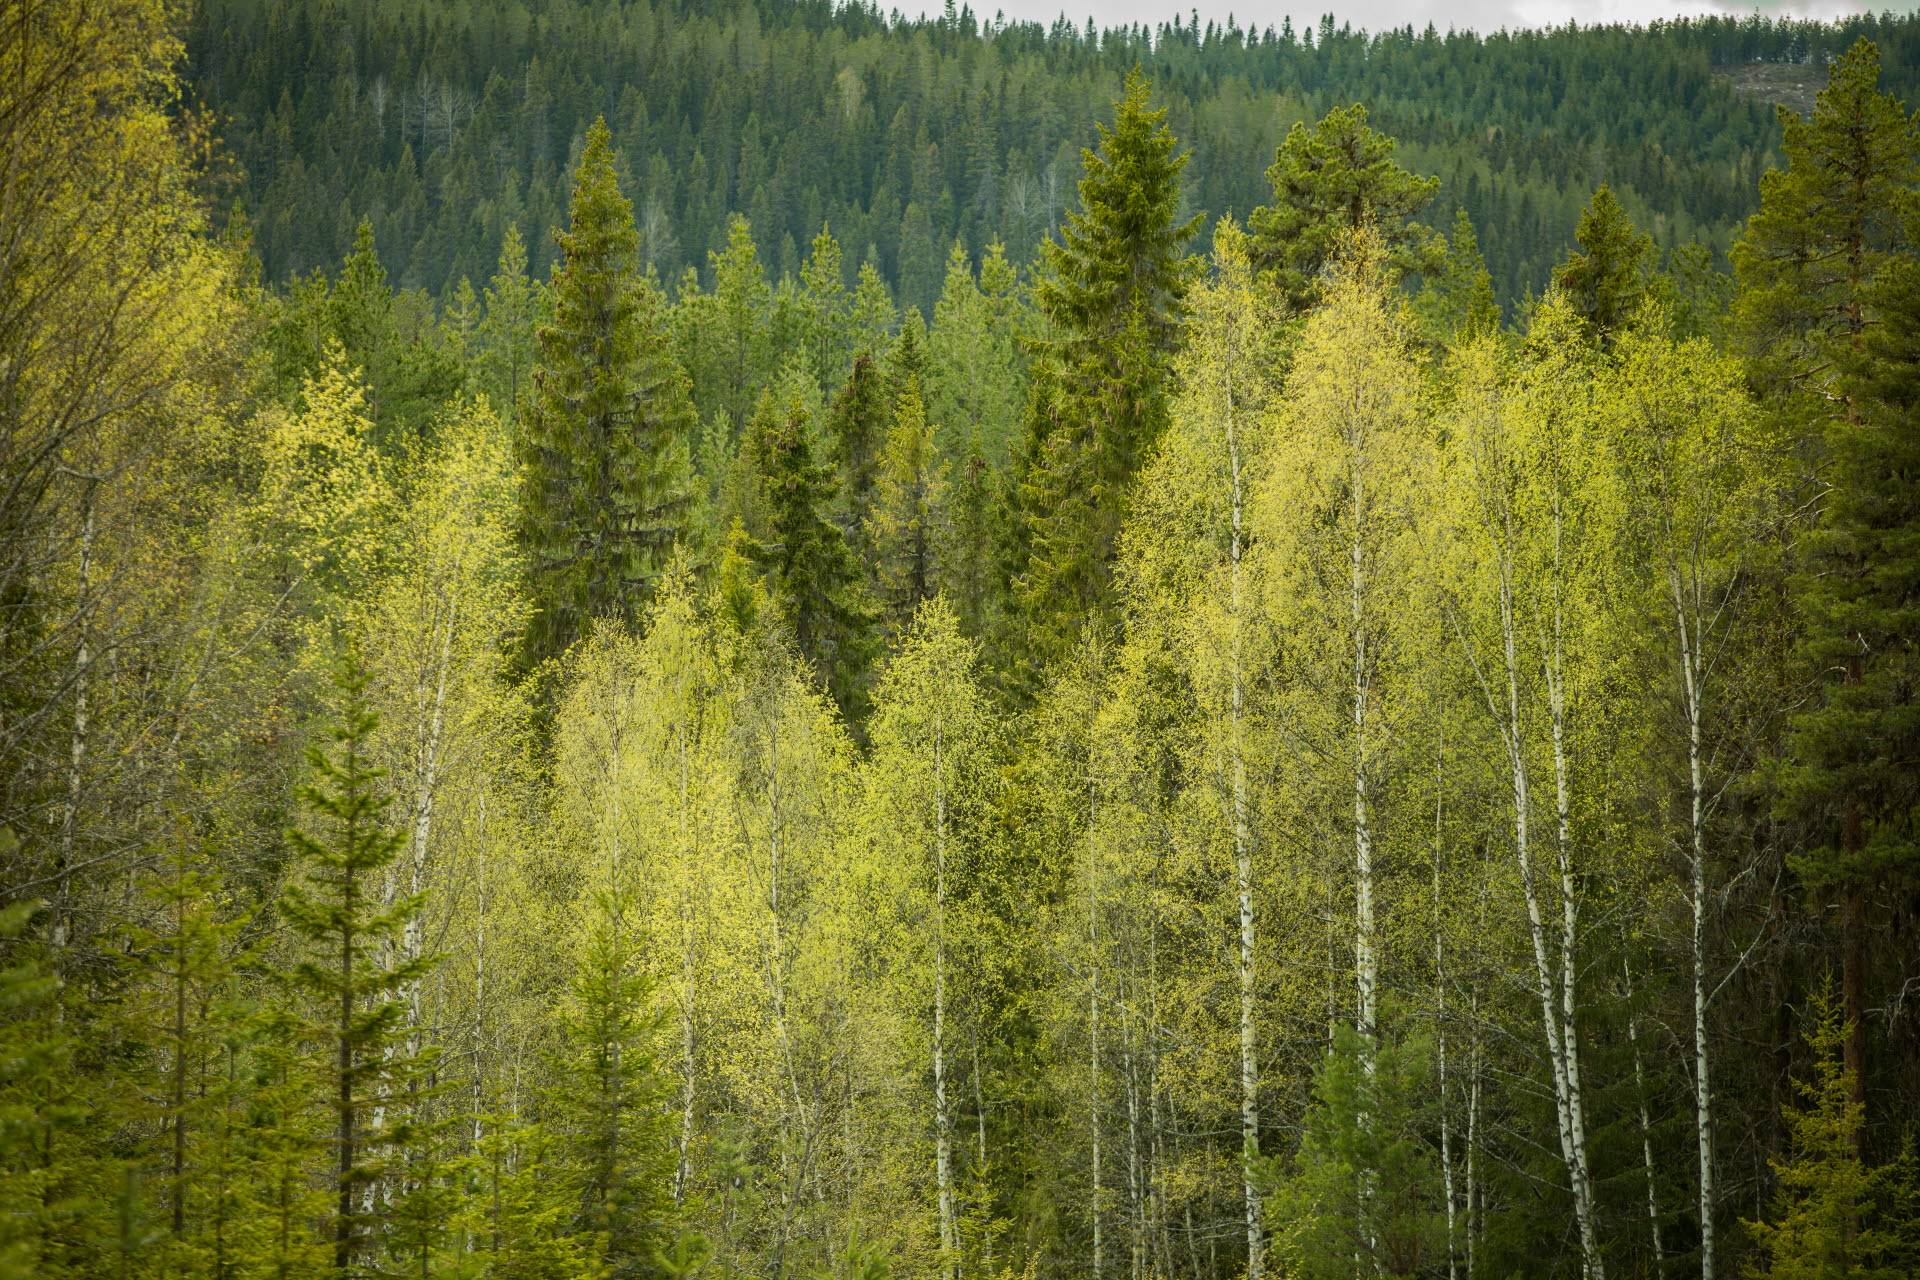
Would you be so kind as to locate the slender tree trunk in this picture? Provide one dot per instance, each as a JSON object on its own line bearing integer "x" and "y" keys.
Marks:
{"x": 1366, "y": 961}
{"x": 983, "y": 1193}
{"x": 942, "y": 1120}
{"x": 684, "y": 1145}
{"x": 1690, "y": 642}
{"x": 1646, "y": 1134}
{"x": 1243, "y": 860}
{"x": 1572, "y": 1138}
{"x": 178, "y": 1089}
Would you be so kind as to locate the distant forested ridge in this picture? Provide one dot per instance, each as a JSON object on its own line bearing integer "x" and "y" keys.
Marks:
{"x": 445, "y": 122}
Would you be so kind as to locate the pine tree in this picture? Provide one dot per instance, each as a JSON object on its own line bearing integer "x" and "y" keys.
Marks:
{"x": 350, "y": 989}
{"x": 606, "y": 430}
{"x": 606, "y": 1114}
{"x": 1851, "y": 757}
{"x": 1115, "y": 290}
{"x": 1606, "y": 284}
{"x": 1828, "y": 226}
{"x": 810, "y": 574}
{"x": 1329, "y": 182}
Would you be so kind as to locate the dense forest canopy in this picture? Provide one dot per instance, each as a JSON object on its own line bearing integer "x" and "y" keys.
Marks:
{"x": 445, "y": 122}
{"x": 757, "y": 640}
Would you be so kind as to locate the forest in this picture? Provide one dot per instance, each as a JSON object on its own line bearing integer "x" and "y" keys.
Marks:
{"x": 756, "y": 640}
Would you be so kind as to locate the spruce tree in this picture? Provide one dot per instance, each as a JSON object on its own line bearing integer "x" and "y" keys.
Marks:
{"x": 1851, "y": 768}
{"x": 1457, "y": 306}
{"x": 509, "y": 332}
{"x": 611, "y": 1133}
{"x": 906, "y": 526}
{"x": 1813, "y": 267}
{"x": 1115, "y": 291}
{"x": 1606, "y": 283}
{"x": 605, "y": 432}
{"x": 347, "y": 983}
{"x": 810, "y": 573}
{"x": 1829, "y": 224}
{"x": 857, "y": 423}
{"x": 1328, "y": 182}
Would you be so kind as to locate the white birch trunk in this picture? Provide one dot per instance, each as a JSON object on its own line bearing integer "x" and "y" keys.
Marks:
{"x": 942, "y": 1120}
{"x": 1243, "y": 865}
{"x": 1646, "y": 1135}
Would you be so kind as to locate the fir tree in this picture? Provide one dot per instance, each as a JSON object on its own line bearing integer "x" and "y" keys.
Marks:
{"x": 509, "y": 332}
{"x": 1364, "y": 1183}
{"x": 1328, "y": 182}
{"x": 1115, "y": 291}
{"x": 1606, "y": 283}
{"x": 1828, "y": 1219}
{"x": 1457, "y": 305}
{"x": 857, "y": 423}
{"x": 351, "y": 988}
{"x": 906, "y": 523}
{"x": 612, "y": 1137}
{"x": 605, "y": 433}
{"x": 33, "y": 1049}
{"x": 811, "y": 575}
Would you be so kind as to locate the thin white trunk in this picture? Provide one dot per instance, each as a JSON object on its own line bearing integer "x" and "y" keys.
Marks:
{"x": 942, "y": 1121}
{"x": 480, "y": 974}
{"x": 1136, "y": 1198}
{"x": 77, "y": 749}
{"x": 1577, "y": 1164}
{"x": 1646, "y": 1133}
{"x": 1243, "y": 866}
{"x": 1563, "y": 1092}
{"x": 1692, "y": 680}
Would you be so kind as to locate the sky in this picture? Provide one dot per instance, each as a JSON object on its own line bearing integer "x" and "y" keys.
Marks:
{"x": 1377, "y": 15}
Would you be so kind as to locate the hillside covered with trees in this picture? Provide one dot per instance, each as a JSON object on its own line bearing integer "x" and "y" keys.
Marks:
{"x": 755, "y": 641}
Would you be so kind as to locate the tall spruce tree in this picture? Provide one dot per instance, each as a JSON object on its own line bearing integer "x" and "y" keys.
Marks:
{"x": 1115, "y": 291}
{"x": 857, "y": 423}
{"x": 604, "y": 437}
{"x": 1606, "y": 283}
{"x": 1853, "y": 757}
{"x": 347, "y": 984}
{"x": 810, "y": 573}
{"x": 605, "y": 1105}
{"x": 1814, "y": 269}
{"x": 1328, "y": 182}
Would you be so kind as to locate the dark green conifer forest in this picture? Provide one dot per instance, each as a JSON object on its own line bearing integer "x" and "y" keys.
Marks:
{"x": 757, "y": 639}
